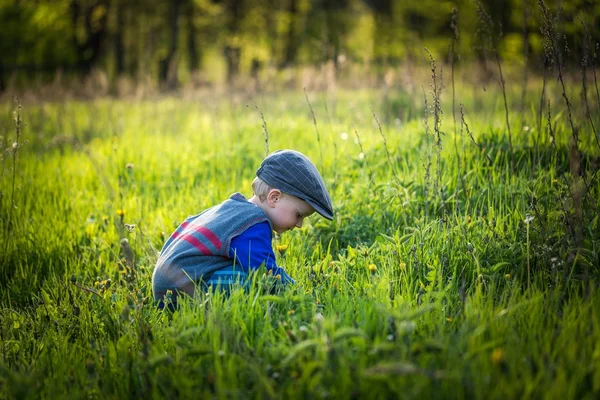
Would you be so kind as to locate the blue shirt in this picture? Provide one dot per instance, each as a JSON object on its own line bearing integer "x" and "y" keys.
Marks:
{"x": 253, "y": 247}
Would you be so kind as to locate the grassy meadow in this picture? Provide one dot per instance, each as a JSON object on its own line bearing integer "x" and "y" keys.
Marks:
{"x": 462, "y": 261}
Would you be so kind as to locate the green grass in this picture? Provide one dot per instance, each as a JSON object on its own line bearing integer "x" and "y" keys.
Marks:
{"x": 409, "y": 292}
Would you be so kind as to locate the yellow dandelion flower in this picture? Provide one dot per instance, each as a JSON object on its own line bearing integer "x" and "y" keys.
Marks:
{"x": 507, "y": 276}
{"x": 403, "y": 266}
{"x": 372, "y": 268}
{"x": 290, "y": 312}
{"x": 497, "y": 356}
{"x": 281, "y": 249}
{"x": 120, "y": 212}
{"x": 278, "y": 276}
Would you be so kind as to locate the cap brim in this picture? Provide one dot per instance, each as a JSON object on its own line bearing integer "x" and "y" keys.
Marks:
{"x": 320, "y": 210}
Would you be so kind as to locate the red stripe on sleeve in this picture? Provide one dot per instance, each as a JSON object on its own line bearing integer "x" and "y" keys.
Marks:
{"x": 194, "y": 242}
{"x": 210, "y": 236}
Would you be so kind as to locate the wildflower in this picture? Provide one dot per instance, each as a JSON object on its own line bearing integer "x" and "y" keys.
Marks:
{"x": 526, "y": 128}
{"x": 497, "y": 356}
{"x": 278, "y": 276}
{"x": 449, "y": 319}
{"x": 528, "y": 218}
{"x": 372, "y": 268}
{"x": 507, "y": 276}
{"x": 282, "y": 248}
{"x": 121, "y": 212}
{"x": 361, "y": 155}
{"x": 291, "y": 312}
{"x": 129, "y": 166}
{"x": 344, "y": 136}
{"x": 403, "y": 266}
{"x": 105, "y": 218}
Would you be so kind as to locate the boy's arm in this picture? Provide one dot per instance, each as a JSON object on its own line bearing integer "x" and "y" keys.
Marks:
{"x": 253, "y": 247}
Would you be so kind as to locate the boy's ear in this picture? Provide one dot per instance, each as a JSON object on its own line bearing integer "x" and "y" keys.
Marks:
{"x": 273, "y": 197}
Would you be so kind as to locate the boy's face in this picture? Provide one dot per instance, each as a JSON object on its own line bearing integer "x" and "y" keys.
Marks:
{"x": 285, "y": 211}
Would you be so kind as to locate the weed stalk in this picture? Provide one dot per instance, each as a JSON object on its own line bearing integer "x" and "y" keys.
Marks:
{"x": 265, "y": 130}
{"x": 437, "y": 120}
{"x": 14, "y": 151}
{"x": 427, "y": 165}
{"x": 492, "y": 43}
{"x": 387, "y": 150}
{"x": 312, "y": 112}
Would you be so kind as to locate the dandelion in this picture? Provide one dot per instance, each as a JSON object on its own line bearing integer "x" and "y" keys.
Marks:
{"x": 372, "y": 268}
{"x": 344, "y": 136}
{"x": 361, "y": 155}
{"x": 291, "y": 312}
{"x": 497, "y": 356}
{"x": 507, "y": 276}
{"x": 528, "y": 218}
{"x": 121, "y": 212}
{"x": 403, "y": 266}
{"x": 282, "y": 248}
{"x": 526, "y": 128}
{"x": 449, "y": 319}
{"x": 278, "y": 276}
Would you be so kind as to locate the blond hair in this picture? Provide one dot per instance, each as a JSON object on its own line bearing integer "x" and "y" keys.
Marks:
{"x": 261, "y": 188}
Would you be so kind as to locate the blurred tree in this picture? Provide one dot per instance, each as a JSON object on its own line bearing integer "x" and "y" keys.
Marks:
{"x": 234, "y": 11}
{"x": 384, "y": 23}
{"x": 192, "y": 46}
{"x": 291, "y": 44}
{"x": 119, "y": 45}
{"x": 168, "y": 64}
{"x": 89, "y": 20}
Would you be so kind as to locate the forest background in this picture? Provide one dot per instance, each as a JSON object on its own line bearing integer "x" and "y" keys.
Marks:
{"x": 169, "y": 44}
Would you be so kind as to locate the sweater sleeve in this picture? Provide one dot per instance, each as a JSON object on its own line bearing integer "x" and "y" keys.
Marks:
{"x": 253, "y": 247}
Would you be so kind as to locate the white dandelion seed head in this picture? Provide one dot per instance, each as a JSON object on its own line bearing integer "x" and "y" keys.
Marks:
{"x": 344, "y": 136}
{"x": 361, "y": 155}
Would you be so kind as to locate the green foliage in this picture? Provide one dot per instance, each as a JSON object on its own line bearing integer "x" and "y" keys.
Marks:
{"x": 479, "y": 289}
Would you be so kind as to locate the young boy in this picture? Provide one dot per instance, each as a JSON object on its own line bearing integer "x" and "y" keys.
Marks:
{"x": 221, "y": 245}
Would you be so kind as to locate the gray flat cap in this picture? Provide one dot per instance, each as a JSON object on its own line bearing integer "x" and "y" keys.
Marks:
{"x": 293, "y": 173}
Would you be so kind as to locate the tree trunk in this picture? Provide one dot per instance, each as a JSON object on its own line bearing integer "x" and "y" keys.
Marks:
{"x": 194, "y": 59}
{"x": 291, "y": 47}
{"x": 232, "y": 50}
{"x": 119, "y": 45}
{"x": 168, "y": 65}
{"x": 90, "y": 48}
